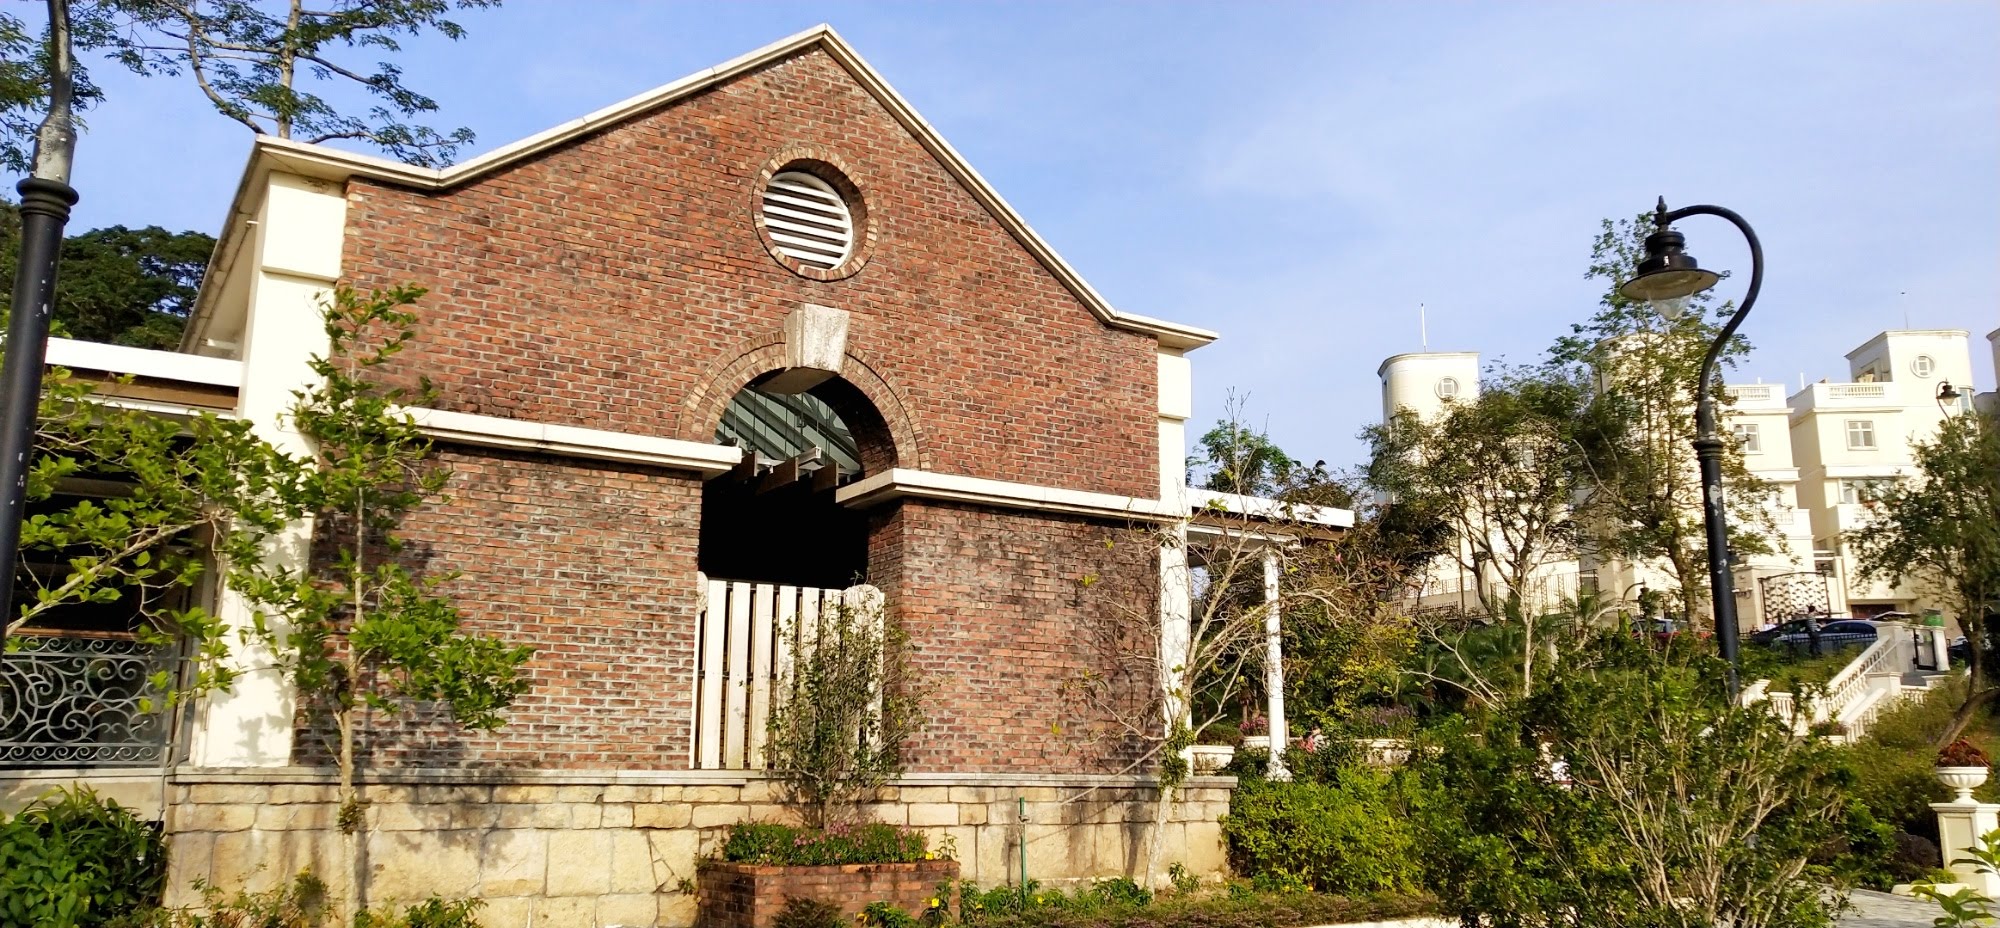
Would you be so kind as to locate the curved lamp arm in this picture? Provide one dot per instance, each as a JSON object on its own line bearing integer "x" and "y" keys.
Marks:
{"x": 1662, "y": 218}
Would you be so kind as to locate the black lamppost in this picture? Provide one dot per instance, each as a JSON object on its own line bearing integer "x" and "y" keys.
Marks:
{"x": 1665, "y": 278}
{"x": 45, "y": 201}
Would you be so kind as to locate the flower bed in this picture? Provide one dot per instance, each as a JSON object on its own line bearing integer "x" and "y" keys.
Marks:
{"x": 765, "y": 866}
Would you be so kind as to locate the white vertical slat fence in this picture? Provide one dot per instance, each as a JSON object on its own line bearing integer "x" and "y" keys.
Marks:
{"x": 747, "y": 635}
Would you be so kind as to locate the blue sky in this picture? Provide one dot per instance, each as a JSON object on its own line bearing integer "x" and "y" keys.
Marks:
{"x": 1301, "y": 177}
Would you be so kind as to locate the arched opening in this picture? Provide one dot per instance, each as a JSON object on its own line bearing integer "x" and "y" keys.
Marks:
{"x": 773, "y": 518}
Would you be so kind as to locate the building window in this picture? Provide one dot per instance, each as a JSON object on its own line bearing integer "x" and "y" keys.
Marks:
{"x": 1447, "y": 388}
{"x": 1864, "y": 490}
{"x": 1860, "y": 434}
{"x": 1748, "y": 438}
{"x": 1923, "y": 366}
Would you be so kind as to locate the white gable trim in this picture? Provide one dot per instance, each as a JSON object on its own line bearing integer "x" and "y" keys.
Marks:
{"x": 330, "y": 164}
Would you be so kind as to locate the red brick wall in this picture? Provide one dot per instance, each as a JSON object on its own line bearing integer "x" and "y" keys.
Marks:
{"x": 1009, "y": 613}
{"x": 751, "y": 896}
{"x": 593, "y": 564}
{"x": 602, "y": 284}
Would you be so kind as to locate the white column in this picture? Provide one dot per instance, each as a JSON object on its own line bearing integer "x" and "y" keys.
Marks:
{"x": 1176, "y": 403}
{"x": 1940, "y": 646}
{"x": 1274, "y": 666}
{"x": 294, "y": 261}
{"x": 1960, "y": 826}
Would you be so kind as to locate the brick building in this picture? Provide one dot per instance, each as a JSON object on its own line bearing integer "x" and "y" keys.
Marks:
{"x": 718, "y": 351}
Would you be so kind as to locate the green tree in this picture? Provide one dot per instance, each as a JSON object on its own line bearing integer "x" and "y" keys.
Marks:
{"x": 1503, "y": 472}
{"x": 362, "y": 631}
{"x": 1629, "y": 791}
{"x": 1942, "y": 531}
{"x": 124, "y": 286}
{"x": 1642, "y": 497}
{"x": 259, "y": 62}
{"x": 129, "y": 506}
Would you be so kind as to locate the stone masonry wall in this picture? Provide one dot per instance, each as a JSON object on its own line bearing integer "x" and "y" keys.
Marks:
{"x": 578, "y": 854}
{"x": 606, "y": 283}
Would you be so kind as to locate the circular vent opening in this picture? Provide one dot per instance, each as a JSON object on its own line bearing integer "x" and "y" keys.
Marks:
{"x": 808, "y": 220}
{"x": 1447, "y": 388}
{"x": 1923, "y": 366}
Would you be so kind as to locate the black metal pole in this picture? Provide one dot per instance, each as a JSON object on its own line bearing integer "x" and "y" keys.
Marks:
{"x": 44, "y": 212}
{"x": 1708, "y": 445}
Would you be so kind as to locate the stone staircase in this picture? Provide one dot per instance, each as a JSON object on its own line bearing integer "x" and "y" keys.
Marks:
{"x": 1903, "y": 664}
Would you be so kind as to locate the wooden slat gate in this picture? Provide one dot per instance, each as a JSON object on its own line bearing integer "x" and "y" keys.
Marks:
{"x": 746, "y": 637}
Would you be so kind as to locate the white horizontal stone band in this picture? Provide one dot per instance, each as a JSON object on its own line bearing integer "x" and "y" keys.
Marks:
{"x": 903, "y": 483}
{"x": 145, "y": 362}
{"x": 572, "y": 441}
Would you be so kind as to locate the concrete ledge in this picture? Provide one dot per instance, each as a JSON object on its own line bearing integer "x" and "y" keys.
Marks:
{"x": 901, "y": 483}
{"x": 145, "y": 362}
{"x": 573, "y": 441}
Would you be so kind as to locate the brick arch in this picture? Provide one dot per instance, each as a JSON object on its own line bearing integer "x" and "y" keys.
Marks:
{"x": 863, "y": 398}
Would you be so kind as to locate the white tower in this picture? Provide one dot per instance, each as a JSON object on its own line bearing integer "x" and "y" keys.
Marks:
{"x": 1422, "y": 381}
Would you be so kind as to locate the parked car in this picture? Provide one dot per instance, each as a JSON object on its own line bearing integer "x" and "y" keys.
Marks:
{"x": 1789, "y": 627}
{"x": 1837, "y": 635}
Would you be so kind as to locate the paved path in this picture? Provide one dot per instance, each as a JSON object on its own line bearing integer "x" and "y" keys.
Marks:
{"x": 1881, "y": 910}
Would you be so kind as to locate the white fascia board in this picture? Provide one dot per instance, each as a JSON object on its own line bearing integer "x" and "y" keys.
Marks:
{"x": 336, "y": 165}
{"x": 900, "y": 483}
{"x": 1777, "y": 474}
{"x": 571, "y": 441}
{"x": 145, "y": 362}
{"x": 1258, "y": 507}
{"x": 1837, "y": 471}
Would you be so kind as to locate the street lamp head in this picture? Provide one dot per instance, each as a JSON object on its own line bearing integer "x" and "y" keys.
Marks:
{"x": 1947, "y": 397}
{"x": 1667, "y": 276}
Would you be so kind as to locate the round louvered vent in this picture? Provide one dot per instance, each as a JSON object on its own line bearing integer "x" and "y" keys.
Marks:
{"x": 808, "y": 221}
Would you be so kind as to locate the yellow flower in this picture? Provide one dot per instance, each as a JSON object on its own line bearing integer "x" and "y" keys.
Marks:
{"x": 934, "y": 902}
{"x": 929, "y": 855}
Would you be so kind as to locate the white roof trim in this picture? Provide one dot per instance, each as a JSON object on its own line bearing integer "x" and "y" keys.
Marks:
{"x": 335, "y": 165}
{"x": 145, "y": 362}
{"x": 900, "y": 483}
{"x": 573, "y": 441}
{"x": 1258, "y": 507}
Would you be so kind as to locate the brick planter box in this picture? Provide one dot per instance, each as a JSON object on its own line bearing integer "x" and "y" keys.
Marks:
{"x": 750, "y": 895}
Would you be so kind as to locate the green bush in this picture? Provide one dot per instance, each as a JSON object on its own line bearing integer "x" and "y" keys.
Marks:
{"x": 886, "y": 915}
{"x": 1239, "y": 909}
{"x": 302, "y": 903}
{"x": 787, "y": 846}
{"x": 800, "y": 912}
{"x": 1346, "y": 836}
{"x": 71, "y": 859}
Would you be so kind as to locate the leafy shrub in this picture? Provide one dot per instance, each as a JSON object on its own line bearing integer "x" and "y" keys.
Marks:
{"x": 71, "y": 859}
{"x": 1119, "y": 891}
{"x": 1241, "y": 908}
{"x": 885, "y": 915}
{"x": 1963, "y": 753}
{"x": 1185, "y": 881}
{"x": 787, "y": 846}
{"x": 837, "y": 731}
{"x": 434, "y": 912}
{"x": 1626, "y": 792}
{"x": 1339, "y": 837}
{"x": 302, "y": 903}
{"x": 800, "y": 912}
{"x": 299, "y": 903}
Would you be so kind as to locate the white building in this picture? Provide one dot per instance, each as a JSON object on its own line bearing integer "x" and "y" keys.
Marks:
{"x": 1852, "y": 438}
{"x": 1825, "y": 450}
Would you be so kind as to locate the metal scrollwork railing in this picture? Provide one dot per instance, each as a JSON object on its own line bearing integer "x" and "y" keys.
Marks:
{"x": 84, "y": 701}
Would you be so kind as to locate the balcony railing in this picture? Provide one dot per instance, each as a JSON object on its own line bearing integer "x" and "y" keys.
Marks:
{"x": 82, "y": 700}
{"x": 1856, "y": 391}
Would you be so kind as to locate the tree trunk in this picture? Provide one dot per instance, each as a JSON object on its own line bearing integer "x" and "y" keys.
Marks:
{"x": 1162, "y": 807}
{"x": 288, "y": 64}
{"x": 1967, "y": 710}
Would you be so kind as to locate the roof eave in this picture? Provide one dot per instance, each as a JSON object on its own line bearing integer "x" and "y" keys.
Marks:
{"x": 339, "y": 166}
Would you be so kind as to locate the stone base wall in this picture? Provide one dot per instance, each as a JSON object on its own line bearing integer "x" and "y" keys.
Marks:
{"x": 751, "y": 896}
{"x": 622, "y": 850}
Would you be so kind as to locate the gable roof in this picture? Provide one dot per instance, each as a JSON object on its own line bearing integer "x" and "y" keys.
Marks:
{"x": 332, "y": 164}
